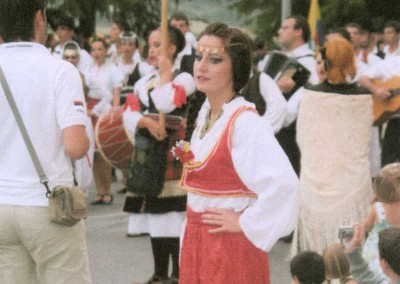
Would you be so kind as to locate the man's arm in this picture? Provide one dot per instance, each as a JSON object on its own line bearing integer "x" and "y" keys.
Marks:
{"x": 380, "y": 92}
{"x": 76, "y": 141}
{"x": 358, "y": 266}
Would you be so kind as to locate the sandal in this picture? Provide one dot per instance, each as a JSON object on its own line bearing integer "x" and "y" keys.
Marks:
{"x": 109, "y": 202}
{"x": 98, "y": 200}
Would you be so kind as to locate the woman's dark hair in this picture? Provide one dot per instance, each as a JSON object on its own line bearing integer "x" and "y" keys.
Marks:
{"x": 239, "y": 47}
{"x": 17, "y": 19}
{"x": 177, "y": 38}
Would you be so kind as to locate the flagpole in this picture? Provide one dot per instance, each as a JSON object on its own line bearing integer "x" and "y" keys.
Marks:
{"x": 286, "y": 9}
{"x": 164, "y": 43}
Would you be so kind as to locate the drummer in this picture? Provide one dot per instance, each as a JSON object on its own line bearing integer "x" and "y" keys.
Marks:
{"x": 163, "y": 90}
{"x": 132, "y": 69}
{"x": 104, "y": 82}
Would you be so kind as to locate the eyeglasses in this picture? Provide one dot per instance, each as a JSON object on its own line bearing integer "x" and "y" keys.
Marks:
{"x": 70, "y": 57}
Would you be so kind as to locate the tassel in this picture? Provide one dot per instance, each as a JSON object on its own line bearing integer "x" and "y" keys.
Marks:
{"x": 179, "y": 96}
{"x": 132, "y": 102}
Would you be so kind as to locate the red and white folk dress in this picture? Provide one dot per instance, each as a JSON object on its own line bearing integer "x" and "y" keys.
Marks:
{"x": 238, "y": 165}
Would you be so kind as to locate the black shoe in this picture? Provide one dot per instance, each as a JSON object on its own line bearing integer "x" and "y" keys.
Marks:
{"x": 128, "y": 235}
{"x": 156, "y": 280}
{"x": 122, "y": 190}
{"x": 98, "y": 200}
{"x": 172, "y": 280}
{"x": 287, "y": 239}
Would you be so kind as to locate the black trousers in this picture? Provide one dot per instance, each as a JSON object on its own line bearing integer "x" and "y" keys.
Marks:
{"x": 287, "y": 139}
{"x": 391, "y": 143}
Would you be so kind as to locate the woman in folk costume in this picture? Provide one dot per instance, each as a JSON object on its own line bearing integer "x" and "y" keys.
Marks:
{"x": 242, "y": 190}
{"x": 104, "y": 82}
{"x": 333, "y": 134}
{"x": 153, "y": 193}
{"x": 132, "y": 68}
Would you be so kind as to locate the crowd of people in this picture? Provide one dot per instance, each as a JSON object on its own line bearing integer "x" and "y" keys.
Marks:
{"x": 229, "y": 157}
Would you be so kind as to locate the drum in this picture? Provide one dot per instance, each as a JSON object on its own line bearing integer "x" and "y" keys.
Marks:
{"x": 113, "y": 141}
{"x": 116, "y": 143}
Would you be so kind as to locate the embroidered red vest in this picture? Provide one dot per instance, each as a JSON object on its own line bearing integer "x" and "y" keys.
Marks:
{"x": 216, "y": 175}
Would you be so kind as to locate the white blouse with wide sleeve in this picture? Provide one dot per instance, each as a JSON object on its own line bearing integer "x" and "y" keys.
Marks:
{"x": 162, "y": 96}
{"x": 262, "y": 166}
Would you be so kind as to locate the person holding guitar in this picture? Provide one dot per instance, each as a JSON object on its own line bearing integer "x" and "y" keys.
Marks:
{"x": 382, "y": 80}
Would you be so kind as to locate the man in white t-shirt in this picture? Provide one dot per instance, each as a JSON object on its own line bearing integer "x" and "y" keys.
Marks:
{"x": 49, "y": 95}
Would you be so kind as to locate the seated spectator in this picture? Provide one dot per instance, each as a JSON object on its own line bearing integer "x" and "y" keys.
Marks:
{"x": 307, "y": 267}
{"x": 337, "y": 265}
{"x": 389, "y": 253}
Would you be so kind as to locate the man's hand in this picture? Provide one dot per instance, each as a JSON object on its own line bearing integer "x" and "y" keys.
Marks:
{"x": 155, "y": 129}
{"x": 286, "y": 84}
{"x": 357, "y": 239}
{"x": 381, "y": 92}
{"x": 227, "y": 221}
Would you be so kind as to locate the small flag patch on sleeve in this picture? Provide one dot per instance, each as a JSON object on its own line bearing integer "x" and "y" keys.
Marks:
{"x": 78, "y": 103}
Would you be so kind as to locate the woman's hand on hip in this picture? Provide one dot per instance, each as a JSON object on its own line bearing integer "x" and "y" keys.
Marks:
{"x": 226, "y": 220}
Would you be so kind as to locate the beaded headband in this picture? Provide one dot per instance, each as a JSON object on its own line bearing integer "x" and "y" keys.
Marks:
{"x": 211, "y": 50}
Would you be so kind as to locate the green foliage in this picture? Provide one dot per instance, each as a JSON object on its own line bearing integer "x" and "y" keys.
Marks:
{"x": 140, "y": 15}
{"x": 265, "y": 15}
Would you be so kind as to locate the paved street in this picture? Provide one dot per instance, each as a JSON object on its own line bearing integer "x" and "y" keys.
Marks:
{"x": 115, "y": 259}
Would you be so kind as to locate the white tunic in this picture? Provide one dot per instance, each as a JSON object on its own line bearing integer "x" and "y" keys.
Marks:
{"x": 275, "y": 101}
{"x": 262, "y": 166}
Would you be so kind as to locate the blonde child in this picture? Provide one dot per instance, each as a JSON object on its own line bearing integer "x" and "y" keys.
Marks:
{"x": 385, "y": 212}
{"x": 337, "y": 265}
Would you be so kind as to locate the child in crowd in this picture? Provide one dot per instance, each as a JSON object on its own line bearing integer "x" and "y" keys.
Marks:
{"x": 337, "y": 265}
{"x": 307, "y": 267}
{"x": 384, "y": 213}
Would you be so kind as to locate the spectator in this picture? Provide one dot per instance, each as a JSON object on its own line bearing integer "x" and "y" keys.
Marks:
{"x": 337, "y": 265}
{"x": 389, "y": 256}
{"x": 307, "y": 267}
{"x": 48, "y": 93}
{"x": 383, "y": 213}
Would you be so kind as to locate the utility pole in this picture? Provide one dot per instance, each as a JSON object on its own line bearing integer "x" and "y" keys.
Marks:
{"x": 286, "y": 9}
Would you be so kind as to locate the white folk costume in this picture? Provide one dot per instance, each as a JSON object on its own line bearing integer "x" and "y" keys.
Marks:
{"x": 101, "y": 80}
{"x": 159, "y": 213}
{"x": 388, "y": 69}
{"x": 333, "y": 134}
{"x": 244, "y": 169}
{"x": 132, "y": 73}
{"x": 270, "y": 103}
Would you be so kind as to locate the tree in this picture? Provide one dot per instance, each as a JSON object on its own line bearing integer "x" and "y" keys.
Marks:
{"x": 140, "y": 15}
{"x": 264, "y": 15}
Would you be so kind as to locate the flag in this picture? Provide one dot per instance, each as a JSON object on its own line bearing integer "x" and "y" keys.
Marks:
{"x": 314, "y": 21}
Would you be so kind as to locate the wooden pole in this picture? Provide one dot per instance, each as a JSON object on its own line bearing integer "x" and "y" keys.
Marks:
{"x": 164, "y": 43}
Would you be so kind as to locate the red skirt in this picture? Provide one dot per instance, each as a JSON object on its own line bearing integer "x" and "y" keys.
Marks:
{"x": 219, "y": 258}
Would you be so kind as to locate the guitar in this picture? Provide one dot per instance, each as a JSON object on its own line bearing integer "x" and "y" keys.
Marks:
{"x": 383, "y": 109}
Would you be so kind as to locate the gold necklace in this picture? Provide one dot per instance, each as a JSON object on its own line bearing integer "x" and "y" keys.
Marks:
{"x": 209, "y": 123}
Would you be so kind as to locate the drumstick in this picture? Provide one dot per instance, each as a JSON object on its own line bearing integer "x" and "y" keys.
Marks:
{"x": 164, "y": 43}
